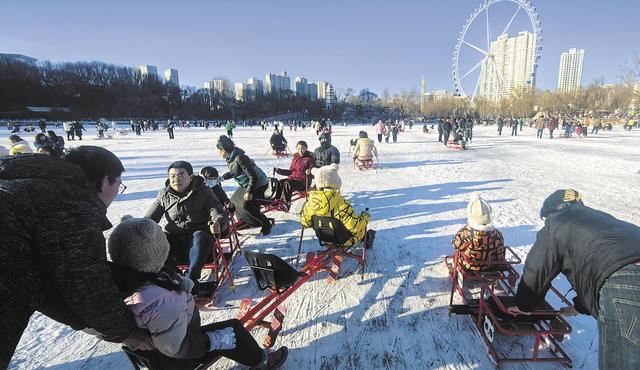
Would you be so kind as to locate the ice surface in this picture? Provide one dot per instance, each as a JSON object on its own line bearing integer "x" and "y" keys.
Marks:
{"x": 397, "y": 317}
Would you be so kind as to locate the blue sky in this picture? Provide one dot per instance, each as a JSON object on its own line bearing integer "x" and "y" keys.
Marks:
{"x": 357, "y": 44}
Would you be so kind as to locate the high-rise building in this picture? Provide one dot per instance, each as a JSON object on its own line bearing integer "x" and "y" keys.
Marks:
{"x": 330, "y": 96}
{"x": 322, "y": 90}
{"x": 510, "y": 68}
{"x": 301, "y": 86}
{"x": 171, "y": 76}
{"x": 255, "y": 86}
{"x": 312, "y": 91}
{"x": 147, "y": 70}
{"x": 276, "y": 84}
{"x": 242, "y": 91}
{"x": 570, "y": 75}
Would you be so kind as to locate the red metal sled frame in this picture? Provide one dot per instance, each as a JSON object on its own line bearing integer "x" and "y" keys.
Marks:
{"x": 542, "y": 332}
{"x": 257, "y": 313}
{"x": 510, "y": 274}
{"x": 320, "y": 261}
{"x": 452, "y": 145}
{"x": 220, "y": 265}
{"x": 280, "y": 153}
{"x": 363, "y": 164}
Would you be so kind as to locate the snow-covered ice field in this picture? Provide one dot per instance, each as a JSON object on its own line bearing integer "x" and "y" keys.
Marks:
{"x": 396, "y": 318}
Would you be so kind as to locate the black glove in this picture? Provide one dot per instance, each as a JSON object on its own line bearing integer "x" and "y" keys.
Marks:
{"x": 231, "y": 207}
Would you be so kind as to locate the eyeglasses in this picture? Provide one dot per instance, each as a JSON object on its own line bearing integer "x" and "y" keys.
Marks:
{"x": 179, "y": 176}
{"x": 122, "y": 188}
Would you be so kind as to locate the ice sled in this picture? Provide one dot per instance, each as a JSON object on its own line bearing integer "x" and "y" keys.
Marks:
{"x": 485, "y": 296}
{"x": 281, "y": 279}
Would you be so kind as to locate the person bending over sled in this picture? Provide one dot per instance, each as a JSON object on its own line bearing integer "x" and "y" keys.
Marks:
{"x": 327, "y": 201}
{"x": 365, "y": 148}
{"x": 161, "y": 302}
{"x": 479, "y": 241}
{"x": 297, "y": 178}
{"x": 600, "y": 257}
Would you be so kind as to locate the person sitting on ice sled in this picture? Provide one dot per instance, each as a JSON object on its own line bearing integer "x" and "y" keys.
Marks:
{"x": 365, "y": 148}
{"x": 161, "y": 302}
{"x": 479, "y": 241}
{"x": 600, "y": 257}
{"x": 278, "y": 142}
{"x": 297, "y": 175}
{"x": 194, "y": 218}
{"x": 327, "y": 201}
{"x": 212, "y": 179}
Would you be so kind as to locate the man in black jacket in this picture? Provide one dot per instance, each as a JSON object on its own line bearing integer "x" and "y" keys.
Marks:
{"x": 600, "y": 256}
{"x": 52, "y": 250}
{"x": 194, "y": 216}
{"x": 326, "y": 153}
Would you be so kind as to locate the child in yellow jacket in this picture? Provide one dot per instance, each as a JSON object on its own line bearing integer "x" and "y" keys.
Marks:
{"x": 327, "y": 201}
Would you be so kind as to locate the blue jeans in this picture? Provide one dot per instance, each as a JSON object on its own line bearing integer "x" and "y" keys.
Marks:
{"x": 198, "y": 245}
{"x": 619, "y": 320}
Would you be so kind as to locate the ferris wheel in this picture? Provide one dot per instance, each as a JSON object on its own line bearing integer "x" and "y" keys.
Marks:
{"x": 471, "y": 50}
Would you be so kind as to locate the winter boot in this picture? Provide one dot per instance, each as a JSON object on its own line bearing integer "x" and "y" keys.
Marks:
{"x": 204, "y": 289}
{"x": 371, "y": 236}
{"x": 266, "y": 228}
{"x": 273, "y": 359}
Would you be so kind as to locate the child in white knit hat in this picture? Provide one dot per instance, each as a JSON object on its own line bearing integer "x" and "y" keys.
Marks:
{"x": 479, "y": 241}
{"x": 162, "y": 303}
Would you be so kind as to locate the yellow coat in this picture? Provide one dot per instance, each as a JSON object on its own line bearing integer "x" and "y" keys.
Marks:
{"x": 329, "y": 202}
{"x": 21, "y": 147}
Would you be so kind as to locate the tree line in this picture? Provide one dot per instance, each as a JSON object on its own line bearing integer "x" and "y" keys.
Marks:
{"x": 94, "y": 89}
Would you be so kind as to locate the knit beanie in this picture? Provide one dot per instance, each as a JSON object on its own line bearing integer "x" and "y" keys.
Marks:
{"x": 478, "y": 211}
{"x": 302, "y": 143}
{"x": 327, "y": 177}
{"x": 362, "y": 135}
{"x": 140, "y": 244}
{"x": 225, "y": 143}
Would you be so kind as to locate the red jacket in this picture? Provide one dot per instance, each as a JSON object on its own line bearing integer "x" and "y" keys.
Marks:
{"x": 299, "y": 166}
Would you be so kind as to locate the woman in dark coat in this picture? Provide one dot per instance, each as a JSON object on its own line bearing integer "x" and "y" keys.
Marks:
{"x": 252, "y": 183}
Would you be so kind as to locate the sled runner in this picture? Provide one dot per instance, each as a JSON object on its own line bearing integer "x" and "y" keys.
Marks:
{"x": 280, "y": 152}
{"x": 363, "y": 164}
{"x": 487, "y": 307}
{"x": 452, "y": 144}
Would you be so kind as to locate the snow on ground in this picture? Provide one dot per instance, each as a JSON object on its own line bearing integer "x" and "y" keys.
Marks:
{"x": 396, "y": 317}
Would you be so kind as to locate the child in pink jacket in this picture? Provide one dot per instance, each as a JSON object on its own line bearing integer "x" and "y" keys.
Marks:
{"x": 161, "y": 301}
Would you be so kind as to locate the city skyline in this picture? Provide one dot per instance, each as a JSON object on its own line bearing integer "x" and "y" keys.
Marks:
{"x": 417, "y": 39}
